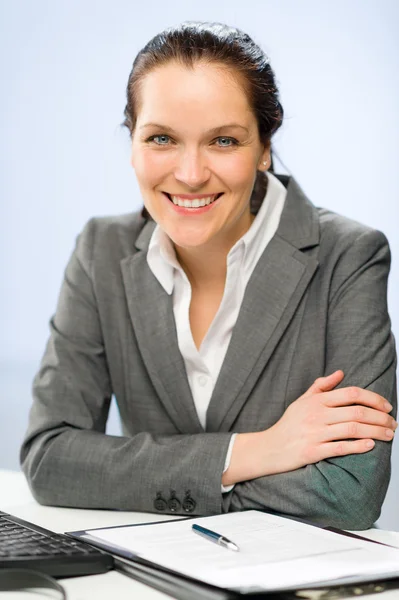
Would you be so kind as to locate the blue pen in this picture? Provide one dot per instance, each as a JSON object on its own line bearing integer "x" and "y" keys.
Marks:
{"x": 212, "y": 536}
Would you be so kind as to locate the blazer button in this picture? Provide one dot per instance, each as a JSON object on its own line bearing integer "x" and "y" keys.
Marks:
{"x": 159, "y": 502}
{"x": 189, "y": 503}
{"x": 173, "y": 502}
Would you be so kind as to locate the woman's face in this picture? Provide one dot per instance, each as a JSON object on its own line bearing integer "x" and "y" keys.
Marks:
{"x": 196, "y": 139}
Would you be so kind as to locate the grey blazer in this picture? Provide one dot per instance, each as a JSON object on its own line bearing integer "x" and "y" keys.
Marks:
{"x": 316, "y": 302}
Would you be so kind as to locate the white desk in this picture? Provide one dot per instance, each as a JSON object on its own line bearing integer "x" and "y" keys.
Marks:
{"x": 16, "y": 499}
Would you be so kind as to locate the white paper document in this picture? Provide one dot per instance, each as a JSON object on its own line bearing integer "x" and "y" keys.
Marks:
{"x": 275, "y": 553}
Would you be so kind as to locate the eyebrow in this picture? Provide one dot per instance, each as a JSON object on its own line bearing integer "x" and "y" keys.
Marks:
{"x": 212, "y": 131}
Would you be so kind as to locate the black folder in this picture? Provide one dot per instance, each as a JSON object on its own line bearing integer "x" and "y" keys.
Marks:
{"x": 182, "y": 587}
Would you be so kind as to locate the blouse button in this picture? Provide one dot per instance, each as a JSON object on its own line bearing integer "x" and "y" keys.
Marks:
{"x": 202, "y": 380}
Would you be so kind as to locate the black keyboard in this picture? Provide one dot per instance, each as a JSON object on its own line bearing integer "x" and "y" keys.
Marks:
{"x": 24, "y": 545}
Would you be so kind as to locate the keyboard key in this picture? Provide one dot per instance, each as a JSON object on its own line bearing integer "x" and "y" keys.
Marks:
{"x": 22, "y": 544}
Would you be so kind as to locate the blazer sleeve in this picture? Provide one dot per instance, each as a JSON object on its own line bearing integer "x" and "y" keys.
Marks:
{"x": 67, "y": 457}
{"x": 348, "y": 491}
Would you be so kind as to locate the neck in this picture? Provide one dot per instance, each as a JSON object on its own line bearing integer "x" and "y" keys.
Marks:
{"x": 206, "y": 265}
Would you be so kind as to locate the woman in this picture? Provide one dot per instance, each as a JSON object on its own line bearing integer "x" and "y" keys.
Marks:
{"x": 243, "y": 331}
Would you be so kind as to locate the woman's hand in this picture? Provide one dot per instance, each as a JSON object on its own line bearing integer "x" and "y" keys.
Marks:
{"x": 320, "y": 424}
{"x": 324, "y": 423}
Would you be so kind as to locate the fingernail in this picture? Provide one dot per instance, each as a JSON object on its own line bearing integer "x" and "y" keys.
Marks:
{"x": 389, "y": 433}
{"x": 388, "y": 406}
{"x": 369, "y": 444}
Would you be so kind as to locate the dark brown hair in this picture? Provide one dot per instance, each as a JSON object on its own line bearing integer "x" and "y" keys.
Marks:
{"x": 195, "y": 41}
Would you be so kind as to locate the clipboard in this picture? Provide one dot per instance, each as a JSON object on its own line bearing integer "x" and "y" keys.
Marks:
{"x": 169, "y": 582}
{"x": 182, "y": 587}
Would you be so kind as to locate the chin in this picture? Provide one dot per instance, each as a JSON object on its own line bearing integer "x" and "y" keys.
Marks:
{"x": 188, "y": 243}
{"x": 184, "y": 235}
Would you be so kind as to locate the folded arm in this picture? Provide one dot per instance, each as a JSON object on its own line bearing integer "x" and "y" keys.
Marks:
{"x": 70, "y": 461}
{"x": 342, "y": 483}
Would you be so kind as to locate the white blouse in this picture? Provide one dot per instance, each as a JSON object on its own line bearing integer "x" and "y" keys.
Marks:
{"x": 203, "y": 365}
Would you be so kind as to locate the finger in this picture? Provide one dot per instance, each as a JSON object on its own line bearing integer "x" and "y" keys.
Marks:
{"x": 353, "y": 430}
{"x": 360, "y": 414}
{"x": 343, "y": 448}
{"x": 355, "y": 395}
{"x": 324, "y": 384}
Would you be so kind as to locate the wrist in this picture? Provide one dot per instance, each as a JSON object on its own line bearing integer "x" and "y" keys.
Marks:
{"x": 246, "y": 459}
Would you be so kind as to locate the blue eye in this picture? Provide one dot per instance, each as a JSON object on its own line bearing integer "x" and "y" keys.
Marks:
{"x": 228, "y": 139}
{"x": 153, "y": 137}
{"x": 166, "y": 139}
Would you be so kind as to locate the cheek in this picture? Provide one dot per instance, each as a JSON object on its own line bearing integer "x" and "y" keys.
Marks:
{"x": 240, "y": 172}
{"x": 149, "y": 166}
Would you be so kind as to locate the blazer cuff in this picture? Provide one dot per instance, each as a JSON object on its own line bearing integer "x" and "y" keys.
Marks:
{"x": 228, "y": 488}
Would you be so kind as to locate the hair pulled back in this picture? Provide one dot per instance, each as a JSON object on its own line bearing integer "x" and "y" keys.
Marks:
{"x": 196, "y": 41}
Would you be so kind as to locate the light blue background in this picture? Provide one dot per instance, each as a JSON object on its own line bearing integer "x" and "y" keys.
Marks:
{"x": 64, "y": 158}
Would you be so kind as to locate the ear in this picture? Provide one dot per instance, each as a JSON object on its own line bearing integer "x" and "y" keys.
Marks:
{"x": 265, "y": 157}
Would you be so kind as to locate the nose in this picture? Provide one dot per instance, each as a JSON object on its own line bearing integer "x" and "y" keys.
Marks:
{"x": 191, "y": 169}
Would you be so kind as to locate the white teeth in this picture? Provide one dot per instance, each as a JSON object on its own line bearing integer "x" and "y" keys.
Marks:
{"x": 195, "y": 203}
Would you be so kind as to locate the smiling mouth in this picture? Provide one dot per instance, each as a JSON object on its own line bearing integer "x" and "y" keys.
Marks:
{"x": 194, "y": 202}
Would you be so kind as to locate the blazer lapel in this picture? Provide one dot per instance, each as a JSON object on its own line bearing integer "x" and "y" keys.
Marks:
{"x": 151, "y": 312}
{"x": 272, "y": 295}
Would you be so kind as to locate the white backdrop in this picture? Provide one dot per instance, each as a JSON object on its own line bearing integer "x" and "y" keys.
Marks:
{"x": 64, "y": 158}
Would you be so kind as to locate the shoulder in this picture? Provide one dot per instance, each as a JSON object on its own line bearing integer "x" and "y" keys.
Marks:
{"x": 120, "y": 229}
{"x": 306, "y": 225}
{"x": 341, "y": 237}
{"x": 351, "y": 254}
{"x": 335, "y": 227}
{"x": 112, "y": 236}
